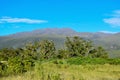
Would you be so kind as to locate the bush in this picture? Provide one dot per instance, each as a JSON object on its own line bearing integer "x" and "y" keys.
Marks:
{"x": 3, "y": 69}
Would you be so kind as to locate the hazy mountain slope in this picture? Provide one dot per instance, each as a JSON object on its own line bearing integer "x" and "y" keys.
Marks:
{"x": 111, "y": 42}
{"x": 19, "y": 42}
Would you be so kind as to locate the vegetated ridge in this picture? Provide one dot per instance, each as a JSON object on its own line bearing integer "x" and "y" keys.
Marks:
{"x": 111, "y": 42}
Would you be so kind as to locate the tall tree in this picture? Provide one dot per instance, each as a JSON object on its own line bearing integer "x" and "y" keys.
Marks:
{"x": 77, "y": 46}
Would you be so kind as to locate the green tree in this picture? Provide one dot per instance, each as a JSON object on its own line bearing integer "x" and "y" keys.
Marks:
{"x": 101, "y": 53}
{"x": 77, "y": 46}
{"x": 47, "y": 49}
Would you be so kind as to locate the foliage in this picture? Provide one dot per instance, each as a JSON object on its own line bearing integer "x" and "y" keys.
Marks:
{"x": 3, "y": 68}
{"x": 15, "y": 65}
{"x": 83, "y": 48}
{"x": 6, "y": 53}
{"x": 47, "y": 49}
{"x": 23, "y": 59}
{"x": 62, "y": 53}
{"x": 78, "y": 61}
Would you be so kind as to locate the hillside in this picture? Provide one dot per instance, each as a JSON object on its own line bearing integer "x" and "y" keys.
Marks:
{"x": 110, "y": 42}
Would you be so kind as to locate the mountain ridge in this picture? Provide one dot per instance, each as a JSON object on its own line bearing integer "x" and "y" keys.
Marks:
{"x": 110, "y": 42}
{"x": 56, "y": 31}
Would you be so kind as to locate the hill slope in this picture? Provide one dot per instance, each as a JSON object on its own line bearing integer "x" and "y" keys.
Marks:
{"x": 110, "y": 42}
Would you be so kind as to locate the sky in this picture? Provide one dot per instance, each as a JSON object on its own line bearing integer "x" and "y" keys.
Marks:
{"x": 79, "y": 15}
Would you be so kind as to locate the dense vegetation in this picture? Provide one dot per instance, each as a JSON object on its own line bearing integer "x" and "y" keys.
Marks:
{"x": 77, "y": 51}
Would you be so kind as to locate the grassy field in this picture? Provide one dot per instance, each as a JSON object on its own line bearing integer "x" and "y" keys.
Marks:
{"x": 65, "y": 71}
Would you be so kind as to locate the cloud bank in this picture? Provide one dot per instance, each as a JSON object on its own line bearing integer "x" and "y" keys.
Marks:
{"x": 109, "y": 32}
{"x": 114, "y": 19}
{"x": 21, "y": 20}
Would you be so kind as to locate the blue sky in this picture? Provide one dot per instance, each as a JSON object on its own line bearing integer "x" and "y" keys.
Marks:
{"x": 80, "y": 15}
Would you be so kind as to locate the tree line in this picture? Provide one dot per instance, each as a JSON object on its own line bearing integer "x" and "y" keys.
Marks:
{"x": 21, "y": 60}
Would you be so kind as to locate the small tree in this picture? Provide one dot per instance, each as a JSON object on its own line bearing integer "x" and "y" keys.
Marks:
{"x": 30, "y": 51}
{"x": 101, "y": 53}
{"x": 47, "y": 49}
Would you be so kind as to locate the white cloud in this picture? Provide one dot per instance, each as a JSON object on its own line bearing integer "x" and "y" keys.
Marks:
{"x": 114, "y": 19}
{"x": 109, "y": 32}
{"x": 20, "y": 20}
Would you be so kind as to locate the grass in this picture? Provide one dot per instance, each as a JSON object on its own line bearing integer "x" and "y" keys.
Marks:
{"x": 63, "y": 71}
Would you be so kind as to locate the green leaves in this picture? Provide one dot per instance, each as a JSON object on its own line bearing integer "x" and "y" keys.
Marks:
{"x": 47, "y": 49}
{"x": 23, "y": 59}
{"x": 83, "y": 48}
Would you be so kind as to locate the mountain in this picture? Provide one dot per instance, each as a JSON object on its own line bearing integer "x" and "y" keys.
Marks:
{"x": 110, "y": 42}
{"x": 47, "y": 31}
